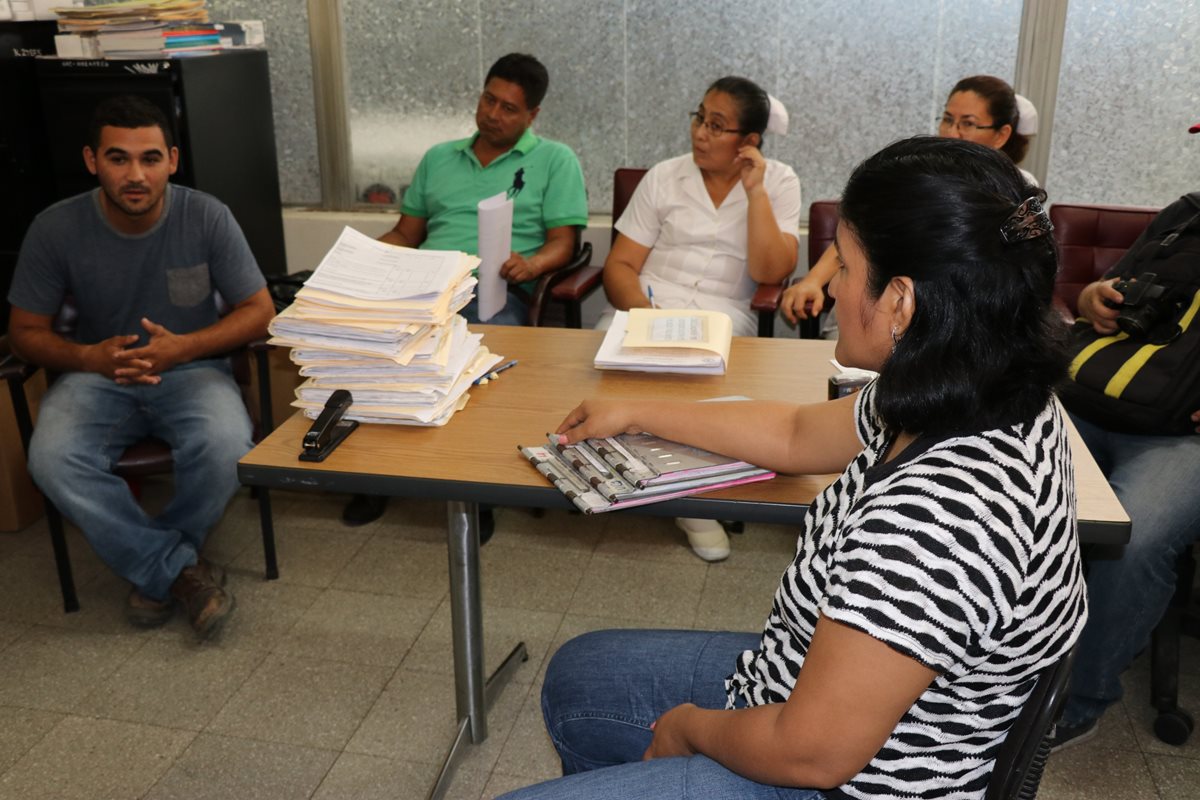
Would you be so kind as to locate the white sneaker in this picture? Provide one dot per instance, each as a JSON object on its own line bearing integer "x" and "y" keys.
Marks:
{"x": 706, "y": 536}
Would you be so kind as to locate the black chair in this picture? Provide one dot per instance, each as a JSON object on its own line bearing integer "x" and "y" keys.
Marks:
{"x": 150, "y": 456}
{"x": 568, "y": 286}
{"x": 1022, "y": 757}
{"x": 1173, "y": 725}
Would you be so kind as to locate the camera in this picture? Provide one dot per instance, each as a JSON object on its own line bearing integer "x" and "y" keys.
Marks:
{"x": 1144, "y": 304}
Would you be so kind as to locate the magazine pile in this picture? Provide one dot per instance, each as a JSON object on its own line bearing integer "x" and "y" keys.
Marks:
{"x": 630, "y": 470}
{"x": 382, "y": 322}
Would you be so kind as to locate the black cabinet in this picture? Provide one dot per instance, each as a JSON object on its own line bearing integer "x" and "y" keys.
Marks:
{"x": 219, "y": 106}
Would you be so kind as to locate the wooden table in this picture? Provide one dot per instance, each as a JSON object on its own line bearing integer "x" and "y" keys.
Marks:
{"x": 474, "y": 459}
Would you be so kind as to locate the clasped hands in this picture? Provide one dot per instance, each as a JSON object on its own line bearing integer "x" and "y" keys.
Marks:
{"x": 115, "y": 359}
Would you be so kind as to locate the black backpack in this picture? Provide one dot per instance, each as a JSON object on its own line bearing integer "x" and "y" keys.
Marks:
{"x": 1145, "y": 378}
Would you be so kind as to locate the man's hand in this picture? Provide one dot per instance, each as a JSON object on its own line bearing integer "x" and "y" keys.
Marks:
{"x": 670, "y": 734}
{"x": 518, "y": 269}
{"x": 1093, "y": 308}
{"x": 163, "y": 351}
{"x": 110, "y": 359}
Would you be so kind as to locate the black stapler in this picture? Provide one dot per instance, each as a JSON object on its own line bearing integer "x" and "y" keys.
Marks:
{"x": 330, "y": 429}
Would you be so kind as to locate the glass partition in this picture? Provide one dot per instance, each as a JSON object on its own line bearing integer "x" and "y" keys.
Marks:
{"x": 1127, "y": 92}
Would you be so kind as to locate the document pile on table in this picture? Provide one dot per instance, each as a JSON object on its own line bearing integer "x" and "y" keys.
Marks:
{"x": 689, "y": 341}
{"x": 148, "y": 29}
{"x": 630, "y": 470}
{"x": 382, "y": 322}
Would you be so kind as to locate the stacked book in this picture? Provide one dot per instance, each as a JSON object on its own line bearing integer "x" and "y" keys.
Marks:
{"x": 630, "y": 470}
{"x": 146, "y": 29}
{"x": 382, "y": 322}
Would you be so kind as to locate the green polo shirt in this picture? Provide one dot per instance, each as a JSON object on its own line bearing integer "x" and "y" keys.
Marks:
{"x": 450, "y": 182}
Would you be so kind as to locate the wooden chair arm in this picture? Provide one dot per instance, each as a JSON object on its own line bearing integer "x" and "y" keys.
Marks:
{"x": 767, "y": 297}
{"x": 547, "y": 285}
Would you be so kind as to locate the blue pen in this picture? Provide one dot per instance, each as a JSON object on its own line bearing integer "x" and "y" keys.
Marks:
{"x": 494, "y": 373}
{"x": 650, "y": 294}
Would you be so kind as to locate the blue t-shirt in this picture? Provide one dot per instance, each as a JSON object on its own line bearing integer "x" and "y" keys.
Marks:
{"x": 167, "y": 274}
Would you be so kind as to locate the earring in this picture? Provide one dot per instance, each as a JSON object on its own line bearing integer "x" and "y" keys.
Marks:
{"x": 895, "y": 337}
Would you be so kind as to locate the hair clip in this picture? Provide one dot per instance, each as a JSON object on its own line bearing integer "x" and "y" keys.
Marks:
{"x": 1028, "y": 221}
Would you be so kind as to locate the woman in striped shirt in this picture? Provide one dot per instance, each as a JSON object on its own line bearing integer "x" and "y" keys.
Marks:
{"x": 932, "y": 580}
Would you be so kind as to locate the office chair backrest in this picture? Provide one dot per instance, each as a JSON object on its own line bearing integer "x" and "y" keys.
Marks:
{"x": 1022, "y": 757}
{"x": 1091, "y": 239}
{"x": 822, "y": 225}
{"x": 625, "y": 180}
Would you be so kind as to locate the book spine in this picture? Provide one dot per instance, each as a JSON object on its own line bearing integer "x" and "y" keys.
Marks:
{"x": 545, "y": 462}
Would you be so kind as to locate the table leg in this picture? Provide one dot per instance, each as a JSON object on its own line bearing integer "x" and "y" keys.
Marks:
{"x": 473, "y": 696}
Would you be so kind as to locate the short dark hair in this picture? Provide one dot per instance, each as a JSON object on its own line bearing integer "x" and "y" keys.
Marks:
{"x": 1002, "y": 105}
{"x": 984, "y": 347}
{"x": 525, "y": 71}
{"x": 128, "y": 111}
{"x": 753, "y": 104}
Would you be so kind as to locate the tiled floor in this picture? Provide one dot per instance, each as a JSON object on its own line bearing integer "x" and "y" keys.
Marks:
{"x": 336, "y": 682}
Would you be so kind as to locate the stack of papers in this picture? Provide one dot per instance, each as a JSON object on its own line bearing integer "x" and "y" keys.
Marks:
{"x": 381, "y": 322}
{"x": 630, "y": 470}
{"x": 142, "y": 28}
{"x": 689, "y": 341}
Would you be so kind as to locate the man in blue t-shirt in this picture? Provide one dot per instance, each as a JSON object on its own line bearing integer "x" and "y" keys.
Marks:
{"x": 142, "y": 260}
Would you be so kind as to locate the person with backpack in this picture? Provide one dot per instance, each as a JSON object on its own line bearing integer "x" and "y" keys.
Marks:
{"x": 1134, "y": 396}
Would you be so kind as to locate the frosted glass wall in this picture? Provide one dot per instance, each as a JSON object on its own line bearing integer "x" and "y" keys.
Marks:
{"x": 854, "y": 74}
{"x": 286, "y": 23}
{"x": 1127, "y": 92}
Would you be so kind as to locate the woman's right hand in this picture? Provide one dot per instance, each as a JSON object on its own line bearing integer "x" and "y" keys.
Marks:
{"x": 594, "y": 419}
{"x": 801, "y": 300}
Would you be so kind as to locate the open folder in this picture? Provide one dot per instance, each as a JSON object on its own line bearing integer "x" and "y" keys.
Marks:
{"x": 691, "y": 341}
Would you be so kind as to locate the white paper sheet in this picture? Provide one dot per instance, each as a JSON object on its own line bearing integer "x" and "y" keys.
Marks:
{"x": 495, "y": 246}
{"x": 362, "y": 267}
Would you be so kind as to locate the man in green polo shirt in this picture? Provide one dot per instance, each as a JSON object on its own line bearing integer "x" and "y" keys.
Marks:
{"x": 439, "y": 211}
{"x": 542, "y": 176}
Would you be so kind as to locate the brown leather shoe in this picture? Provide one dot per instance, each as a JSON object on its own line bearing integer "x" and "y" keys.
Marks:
{"x": 142, "y": 612}
{"x": 198, "y": 589}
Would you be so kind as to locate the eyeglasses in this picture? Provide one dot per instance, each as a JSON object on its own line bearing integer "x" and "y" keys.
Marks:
{"x": 714, "y": 128}
{"x": 965, "y": 126}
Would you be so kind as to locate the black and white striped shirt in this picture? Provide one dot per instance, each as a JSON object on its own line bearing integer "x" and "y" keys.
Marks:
{"x": 960, "y": 553}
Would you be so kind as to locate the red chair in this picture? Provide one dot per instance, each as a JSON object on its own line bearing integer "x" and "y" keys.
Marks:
{"x": 568, "y": 285}
{"x": 822, "y": 227}
{"x": 766, "y": 298}
{"x": 1091, "y": 239}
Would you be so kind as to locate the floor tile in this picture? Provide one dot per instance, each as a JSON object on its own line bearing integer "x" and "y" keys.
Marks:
{"x": 634, "y": 536}
{"x": 53, "y": 669}
{"x": 528, "y": 751}
{"x": 302, "y": 701}
{"x": 415, "y": 718}
{"x": 420, "y": 520}
{"x": 360, "y": 628}
{"x": 534, "y": 579}
{"x": 392, "y": 565}
{"x": 265, "y": 612}
{"x": 1082, "y": 773}
{"x": 735, "y": 599}
{"x": 224, "y": 768}
{"x": 1175, "y": 778}
{"x": 10, "y": 632}
{"x": 31, "y": 588}
{"x": 502, "y": 629}
{"x": 20, "y": 730}
{"x": 103, "y": 600}
{"x": 239, "y": 531}
{"x": 764, "y": 547}
{"x": 307, "y": 557}
{"x": 84, "y": 759}
{"x": 358, "y": 777}
{"x": 665, "y": 593}
{"x": 554, "y": 530}
{"x": 173, "y": 683}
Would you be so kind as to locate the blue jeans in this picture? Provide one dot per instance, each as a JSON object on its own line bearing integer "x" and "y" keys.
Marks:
{"x": 86, "y": 422}
{"x": 1155, "y": 478}
{"x": 602, "y": 692}
{"x": 515, "y": 311}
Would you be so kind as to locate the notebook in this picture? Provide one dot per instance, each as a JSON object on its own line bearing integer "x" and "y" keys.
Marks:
{"x": 689, "y": 341}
